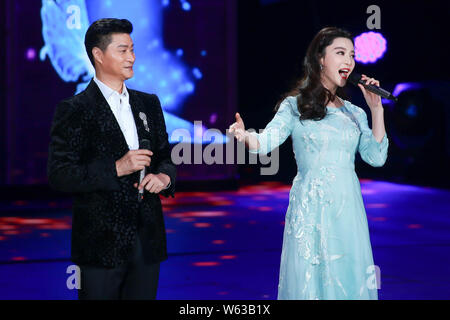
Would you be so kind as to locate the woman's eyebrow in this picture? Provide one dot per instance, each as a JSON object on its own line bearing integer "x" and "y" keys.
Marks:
{"x": 342, "y": 48}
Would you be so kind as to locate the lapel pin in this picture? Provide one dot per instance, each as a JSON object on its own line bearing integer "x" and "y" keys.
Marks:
{"x": 143, "y": 117}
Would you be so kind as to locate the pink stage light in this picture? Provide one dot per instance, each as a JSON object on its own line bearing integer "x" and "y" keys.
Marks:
{"x": 228, "y": 257}
{"x": 206, "y": 264}
{"x": 369, "y": 47}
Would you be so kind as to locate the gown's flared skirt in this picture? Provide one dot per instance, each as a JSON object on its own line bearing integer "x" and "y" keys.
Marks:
{"x": 326, "y": 250}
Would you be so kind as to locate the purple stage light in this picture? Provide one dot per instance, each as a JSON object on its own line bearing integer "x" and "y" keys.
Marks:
{"x": 30, "y": 54}
{"x": 399, "y": 88}
{"x": 213, "y": 118}
{"x": 369, "y": 47}
{"x": 405, "y": 86}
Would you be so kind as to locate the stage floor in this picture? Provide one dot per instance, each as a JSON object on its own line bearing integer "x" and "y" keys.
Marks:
{"x": 227, "y": 245}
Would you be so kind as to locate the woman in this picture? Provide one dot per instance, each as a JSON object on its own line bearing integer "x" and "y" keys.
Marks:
{"x": 326, "y": 246}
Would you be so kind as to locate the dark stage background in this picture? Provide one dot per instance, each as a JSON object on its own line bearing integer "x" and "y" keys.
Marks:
{"x": 249, "y": 54}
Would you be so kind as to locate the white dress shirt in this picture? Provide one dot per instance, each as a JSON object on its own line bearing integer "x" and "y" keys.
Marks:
{"x": 120, "y": 106}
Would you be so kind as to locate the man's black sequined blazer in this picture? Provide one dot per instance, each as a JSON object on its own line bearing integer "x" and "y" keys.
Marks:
{"x": 85, "y": 143}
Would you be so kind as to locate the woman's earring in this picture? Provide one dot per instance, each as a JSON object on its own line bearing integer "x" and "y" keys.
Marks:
{"x": 321, "y": 67}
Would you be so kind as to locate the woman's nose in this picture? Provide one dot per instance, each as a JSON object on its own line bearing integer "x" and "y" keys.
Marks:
{"x": 350, "y": 60}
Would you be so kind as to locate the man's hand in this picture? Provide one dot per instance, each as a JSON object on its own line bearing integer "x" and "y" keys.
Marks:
{"x": 132, "y": 161}
{"x": 154, "y": 183}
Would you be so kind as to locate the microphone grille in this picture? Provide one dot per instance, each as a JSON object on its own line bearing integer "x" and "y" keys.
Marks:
{"x": 354, "y": 78}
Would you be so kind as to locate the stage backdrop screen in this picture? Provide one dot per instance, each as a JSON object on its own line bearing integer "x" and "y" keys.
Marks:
{"x": 185, "y": 53}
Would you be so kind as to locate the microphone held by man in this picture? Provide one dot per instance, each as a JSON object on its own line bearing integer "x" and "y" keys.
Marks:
{"x": 136, "y": 160}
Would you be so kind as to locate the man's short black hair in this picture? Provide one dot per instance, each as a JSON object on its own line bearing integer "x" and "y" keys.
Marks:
{"x": 99, "y": 34}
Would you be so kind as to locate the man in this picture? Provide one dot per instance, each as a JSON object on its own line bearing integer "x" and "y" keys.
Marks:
{"x": 117, "y": 241}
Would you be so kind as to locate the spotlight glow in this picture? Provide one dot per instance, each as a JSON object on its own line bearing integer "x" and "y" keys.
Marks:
{"x": 369, "y": 47}
{"x": 31, "y": 54}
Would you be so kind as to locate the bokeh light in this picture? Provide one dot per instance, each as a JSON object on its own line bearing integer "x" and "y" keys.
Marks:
{"x": 369, "y": 47}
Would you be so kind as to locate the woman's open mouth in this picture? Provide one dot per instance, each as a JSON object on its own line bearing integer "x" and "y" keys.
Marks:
{"x": 344, "y": 73}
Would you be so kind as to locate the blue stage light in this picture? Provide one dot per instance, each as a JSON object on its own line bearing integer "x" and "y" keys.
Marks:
{"x": 64, "y": 46}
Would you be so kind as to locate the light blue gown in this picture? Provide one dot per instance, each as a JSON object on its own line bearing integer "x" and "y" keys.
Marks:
{"x": 326, "y": 250}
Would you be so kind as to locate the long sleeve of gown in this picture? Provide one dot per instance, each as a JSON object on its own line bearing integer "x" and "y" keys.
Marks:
{"x": 277, "y": 130}
{"x": 371, "y": 151}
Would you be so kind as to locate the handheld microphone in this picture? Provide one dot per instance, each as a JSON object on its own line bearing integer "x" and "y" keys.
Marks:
{"x": 143, "y": 144}
{"x": 355, "y": 79}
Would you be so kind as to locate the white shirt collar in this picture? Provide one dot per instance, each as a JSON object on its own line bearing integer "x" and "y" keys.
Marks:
{"x": 107, "y": 91}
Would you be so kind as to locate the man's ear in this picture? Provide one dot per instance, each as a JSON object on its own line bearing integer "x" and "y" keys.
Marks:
{"x": 97, "y": 53}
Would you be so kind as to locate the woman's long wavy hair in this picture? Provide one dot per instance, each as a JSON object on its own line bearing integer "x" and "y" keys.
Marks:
{"x": 312, "y": 96}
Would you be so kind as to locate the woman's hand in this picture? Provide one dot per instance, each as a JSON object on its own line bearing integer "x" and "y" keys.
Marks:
{"x": 238, "y": 129}
{"x": 373, "y": 100}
